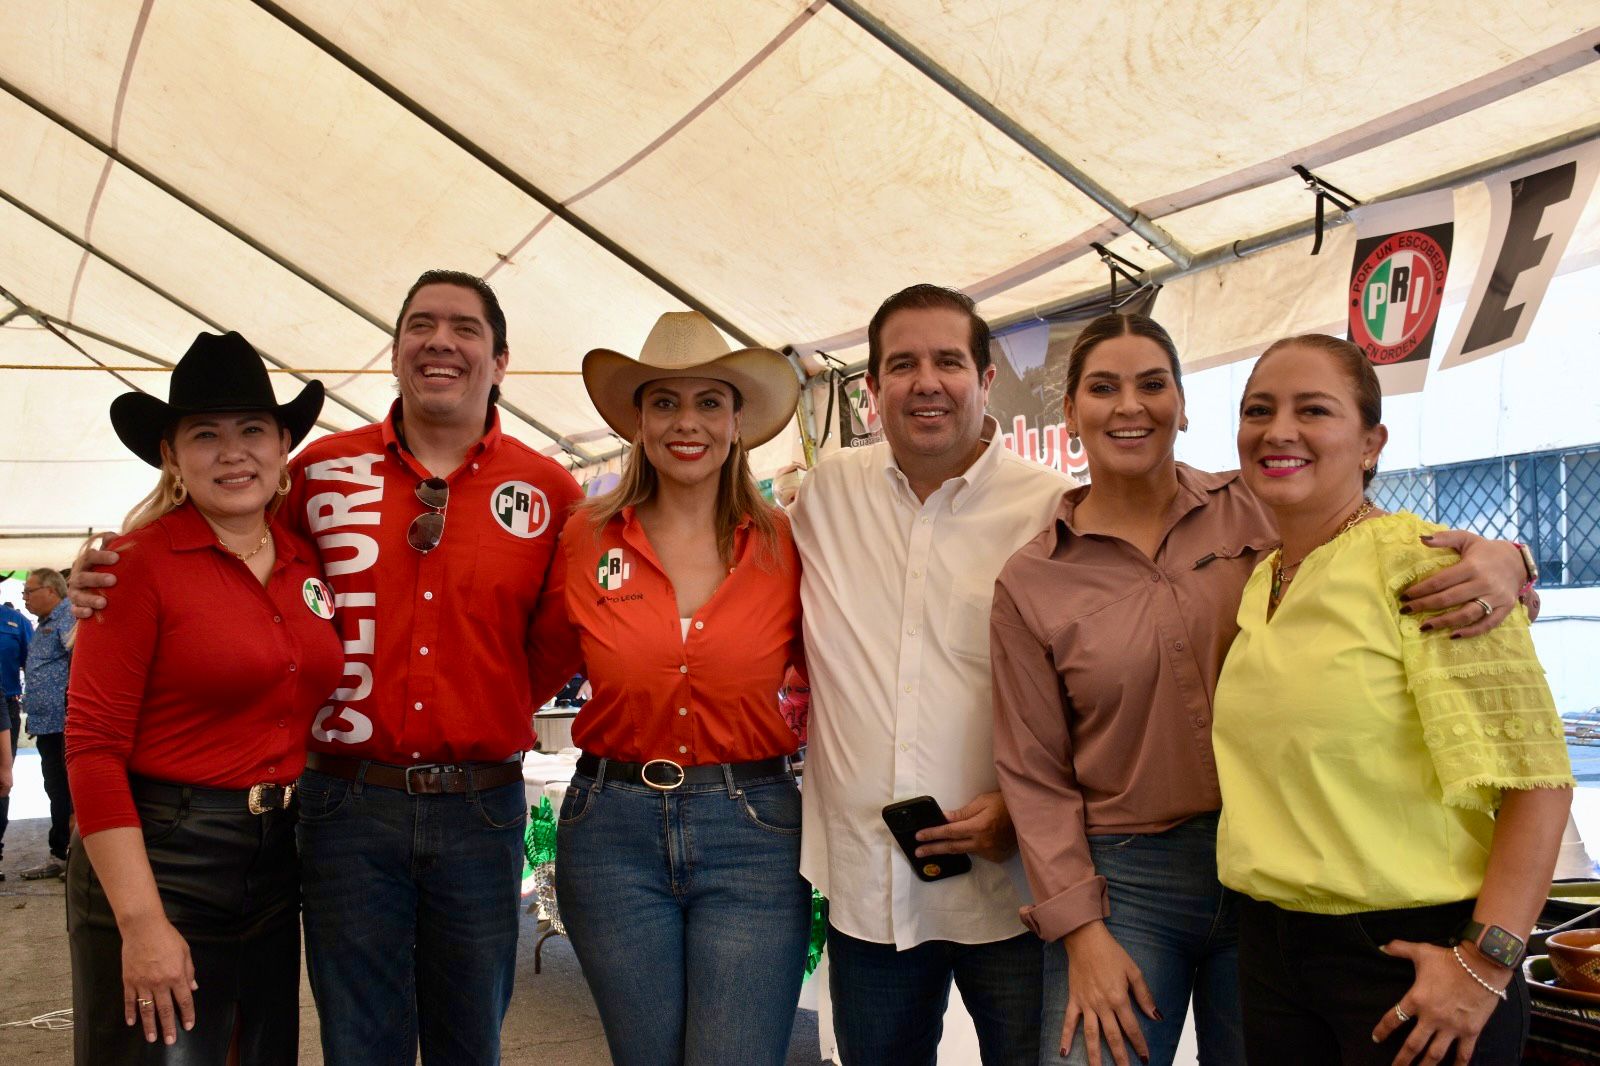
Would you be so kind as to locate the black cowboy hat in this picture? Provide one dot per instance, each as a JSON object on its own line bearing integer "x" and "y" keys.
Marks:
{"x": 216, "y": 374}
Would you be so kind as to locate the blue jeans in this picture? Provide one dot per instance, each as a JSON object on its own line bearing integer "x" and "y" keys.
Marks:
{"x": 411, "y": 914}
{"x": 888, "y": 1005}
{"x": 1180, "y": 927}
{"x": 688, "y": 914}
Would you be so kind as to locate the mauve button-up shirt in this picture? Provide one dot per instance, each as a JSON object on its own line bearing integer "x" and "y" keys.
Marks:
{"x": 1105, "y": 661}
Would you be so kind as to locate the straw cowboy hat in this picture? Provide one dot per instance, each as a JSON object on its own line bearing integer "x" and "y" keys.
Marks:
{"x": 217, "y": 374}
{"x": 684, "y": 344}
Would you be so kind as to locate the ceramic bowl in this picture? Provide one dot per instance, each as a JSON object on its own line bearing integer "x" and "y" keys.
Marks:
{"x": 1575, "y": 956}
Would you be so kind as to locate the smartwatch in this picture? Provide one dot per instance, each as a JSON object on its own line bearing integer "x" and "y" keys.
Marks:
{"x": 1495, "y": 943}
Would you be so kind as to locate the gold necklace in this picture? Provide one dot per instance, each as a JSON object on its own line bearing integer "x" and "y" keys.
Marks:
{"x": 245, "y": 557}
{"x": 1278, "y": 569}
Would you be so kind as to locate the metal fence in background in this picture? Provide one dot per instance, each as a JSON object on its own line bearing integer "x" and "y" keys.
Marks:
{"x": 1548, "y": 500}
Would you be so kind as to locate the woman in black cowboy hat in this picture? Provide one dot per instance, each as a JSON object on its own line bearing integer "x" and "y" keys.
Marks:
{"x": 191, "y": 699}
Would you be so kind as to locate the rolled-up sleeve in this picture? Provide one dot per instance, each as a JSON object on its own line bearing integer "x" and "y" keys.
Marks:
{"x": 1033, "y": 757}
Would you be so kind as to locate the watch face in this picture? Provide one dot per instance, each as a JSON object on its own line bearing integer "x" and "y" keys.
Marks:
{"x": 1501, "y": 946}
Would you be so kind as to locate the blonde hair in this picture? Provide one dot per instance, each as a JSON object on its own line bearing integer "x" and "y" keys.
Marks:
{"x": 738, "y": 498}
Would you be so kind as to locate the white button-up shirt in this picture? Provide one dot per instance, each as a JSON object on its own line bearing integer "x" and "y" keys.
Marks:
{"x": 897, "y": 594}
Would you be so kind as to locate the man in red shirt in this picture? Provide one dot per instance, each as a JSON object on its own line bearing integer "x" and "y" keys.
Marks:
{"x": 437, "y": 535}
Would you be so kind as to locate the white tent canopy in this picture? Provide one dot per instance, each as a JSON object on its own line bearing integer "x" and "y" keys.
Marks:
{"x": 287, "y": 168}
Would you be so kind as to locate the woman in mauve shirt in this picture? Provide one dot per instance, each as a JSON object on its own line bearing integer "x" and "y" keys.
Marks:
{"x": 1109, "y": 631}
{"x": 191, "y": 697}
{"x": 679, "y": 839}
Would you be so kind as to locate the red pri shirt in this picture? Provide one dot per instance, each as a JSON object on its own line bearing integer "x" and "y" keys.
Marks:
{"x": 195, "y": 672}
{"x": 447, "y": 653}
{"x": 710, "y": 697}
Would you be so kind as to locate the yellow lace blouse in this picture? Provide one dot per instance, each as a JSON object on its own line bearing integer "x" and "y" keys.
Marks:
{"x": 1361, "y": 760}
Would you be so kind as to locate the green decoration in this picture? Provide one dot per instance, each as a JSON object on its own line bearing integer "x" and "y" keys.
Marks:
{"x": 819, "y": 931}
{"x": 540, "y": 845}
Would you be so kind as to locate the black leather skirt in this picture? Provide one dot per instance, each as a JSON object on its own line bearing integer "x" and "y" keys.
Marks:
{"x": 230, "y": 884}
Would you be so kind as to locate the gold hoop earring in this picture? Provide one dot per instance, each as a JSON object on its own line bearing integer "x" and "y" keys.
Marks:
{"x": 180, "y": 491}
{"x": 283, "y": 482}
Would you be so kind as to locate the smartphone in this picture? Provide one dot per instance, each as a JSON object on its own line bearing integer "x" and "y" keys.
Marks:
{"x": 905, "y": 819}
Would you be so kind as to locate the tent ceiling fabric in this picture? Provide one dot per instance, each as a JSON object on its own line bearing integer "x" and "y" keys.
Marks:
{"x": 287, "y": 167}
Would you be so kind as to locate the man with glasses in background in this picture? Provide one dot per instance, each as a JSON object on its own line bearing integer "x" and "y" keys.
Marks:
{"x": 15, "y": 632}
{"x": 44, "y": 594}
{"x": 436, "y": 534}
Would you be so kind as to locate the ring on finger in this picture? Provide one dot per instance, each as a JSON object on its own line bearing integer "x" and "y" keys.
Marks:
{"x": 145, "y": 1002}
{"x": 1488, "y": 608}
{"x": 1402, "y": 1015}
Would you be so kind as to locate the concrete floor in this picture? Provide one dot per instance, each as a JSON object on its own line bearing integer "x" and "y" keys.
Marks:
{"x": 552, "y": 1020}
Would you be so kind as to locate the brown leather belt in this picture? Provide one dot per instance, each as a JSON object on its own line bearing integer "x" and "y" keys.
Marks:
{"x": 423, "y": 779}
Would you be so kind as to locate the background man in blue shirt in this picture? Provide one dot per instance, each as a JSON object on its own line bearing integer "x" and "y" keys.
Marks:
{"x": 45, "y": 703}
{"x": 15, "y": 632}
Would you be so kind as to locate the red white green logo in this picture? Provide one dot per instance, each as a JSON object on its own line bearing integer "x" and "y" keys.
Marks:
{"x": 613, "y": 569}
{"x": 317, "y": 597}
{"x": 1395, "y": 295}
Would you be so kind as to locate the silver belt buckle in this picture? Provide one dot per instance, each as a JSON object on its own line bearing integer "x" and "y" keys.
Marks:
{"x": 258, "y": 792}
{"x": 644, "y": 775}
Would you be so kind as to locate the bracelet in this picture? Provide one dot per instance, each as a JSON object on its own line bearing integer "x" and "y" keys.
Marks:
{"x": 1491, "y": 989}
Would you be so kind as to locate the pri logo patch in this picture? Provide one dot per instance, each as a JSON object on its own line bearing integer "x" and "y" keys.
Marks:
{"x": 1395, "y": 295}
{"x": 613, "y": 570}
{"x": 317, "y": 598}
{"x": 521, "y": 509}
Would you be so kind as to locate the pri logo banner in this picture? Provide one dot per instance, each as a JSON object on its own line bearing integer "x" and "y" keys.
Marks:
{"x": 522, "y": 510}
{"x": 613, "y": 570}
{"x": 1397, "y": 281}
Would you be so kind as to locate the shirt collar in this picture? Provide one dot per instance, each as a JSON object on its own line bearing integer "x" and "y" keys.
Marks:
{"x": 188, "y": 530}
{"x": 394, "y": 436}
{"x": 970, "y": 479}
{"x": 1195, "y": 488}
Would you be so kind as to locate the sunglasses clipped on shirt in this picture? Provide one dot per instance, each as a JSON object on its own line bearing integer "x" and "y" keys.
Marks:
{"x": 427, "y": 529}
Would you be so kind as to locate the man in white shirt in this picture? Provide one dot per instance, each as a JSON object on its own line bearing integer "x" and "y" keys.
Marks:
{"x": 902, "y": 542}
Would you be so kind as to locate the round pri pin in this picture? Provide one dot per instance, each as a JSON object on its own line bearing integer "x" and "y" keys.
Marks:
{"x": 318, "y": 599}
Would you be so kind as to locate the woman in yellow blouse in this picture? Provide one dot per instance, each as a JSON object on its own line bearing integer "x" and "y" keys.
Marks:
{"x": 1392, "y": 800}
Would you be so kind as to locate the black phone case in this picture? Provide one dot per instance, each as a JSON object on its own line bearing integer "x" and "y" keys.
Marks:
{"x": 908, "y": 817}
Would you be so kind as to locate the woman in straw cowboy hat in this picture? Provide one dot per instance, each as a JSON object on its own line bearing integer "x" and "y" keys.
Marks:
{"x": 679, "y": 839}
{"x": 191, "y": 699}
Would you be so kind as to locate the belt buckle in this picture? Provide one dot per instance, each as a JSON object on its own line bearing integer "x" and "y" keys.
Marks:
{"x": 256, "y": 802}
{"x": 644, "y": 775}
{"x": 434, "y": 768}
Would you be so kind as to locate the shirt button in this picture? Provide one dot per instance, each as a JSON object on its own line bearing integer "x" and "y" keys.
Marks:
{"x": 682, "y": 750}
{"x": 1199, "y": 719}
{"x": 905, "y": 747}
{"x": 1155, "y": 577}
{"x": 925, "y": 521}
{"x": 916, "y": 573}
{"x": 474, "y": 466}
{"x": 293, "y": 668}
{"x": 908, "y": 688}
{"x": 417, "y": 706}
{"x": 416, "y": 755}
{"x": 911, "y": 632}
{"x": 281, "y": 723}
{"x": 422, "y": 650}
{"x": 682, "y": 712}
{"x": 272, "y": 769}
{"x": 277, "y": 618}
{"x": 684, "y": 669}
{"x": 1177, "y": 645}
{"x": 427, "y": 595}
{"x": 699, "y": 625}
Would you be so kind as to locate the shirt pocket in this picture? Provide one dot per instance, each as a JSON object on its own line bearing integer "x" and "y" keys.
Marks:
{"x": 966, "y": 621}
